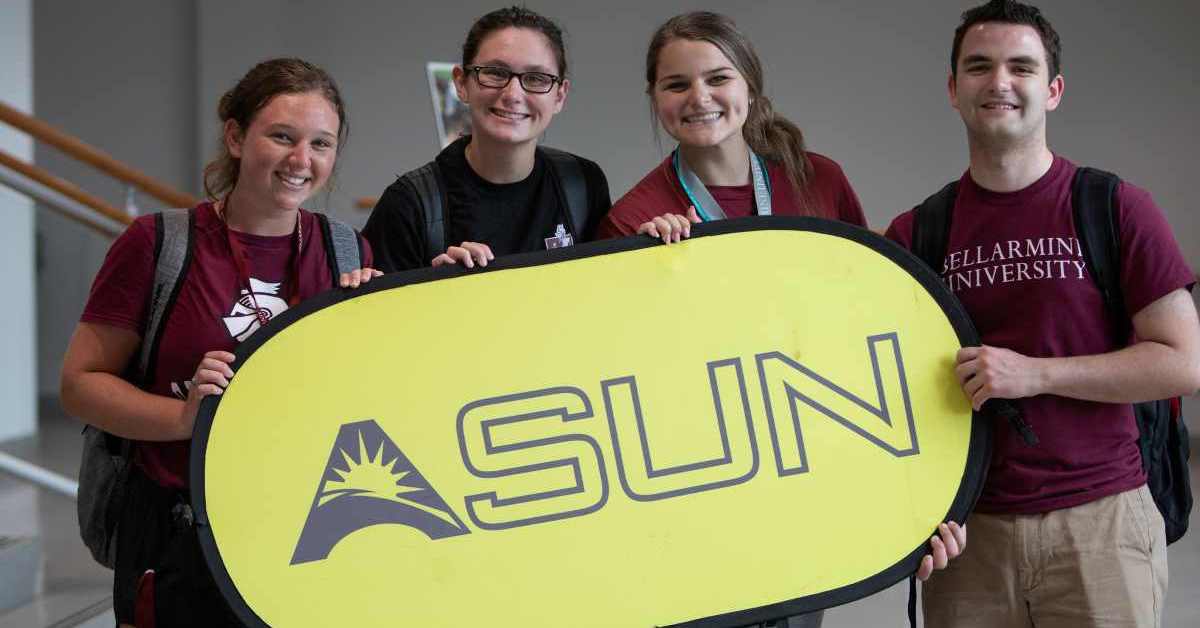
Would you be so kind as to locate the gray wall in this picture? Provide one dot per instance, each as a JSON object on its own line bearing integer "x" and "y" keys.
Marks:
{"x": 866, "y": 80}
{"x": 18, "y": 386}
{"x": 120, "y": 76}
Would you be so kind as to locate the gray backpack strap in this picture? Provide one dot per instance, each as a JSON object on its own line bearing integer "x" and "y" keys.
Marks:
{"x": 426, "y": 183}
{"x": 571, "y": 181}
{"x": 172, "y": 254}
{"x": 104, "y": 465}
{"x": 345, "y": 246}
{"x": 342, "y": 249}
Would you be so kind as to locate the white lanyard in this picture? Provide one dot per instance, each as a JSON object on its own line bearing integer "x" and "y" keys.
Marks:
{"x": 706, "y": 206}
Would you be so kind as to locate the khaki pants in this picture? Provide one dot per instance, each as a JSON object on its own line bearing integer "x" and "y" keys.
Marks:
{"x": 1098, "y": 564}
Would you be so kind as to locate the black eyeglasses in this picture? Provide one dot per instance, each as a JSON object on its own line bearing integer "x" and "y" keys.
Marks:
{"x": 498, "y": 77}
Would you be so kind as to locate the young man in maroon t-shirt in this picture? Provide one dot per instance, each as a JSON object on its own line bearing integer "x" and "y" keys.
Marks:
{"x": 1066, "y": 532}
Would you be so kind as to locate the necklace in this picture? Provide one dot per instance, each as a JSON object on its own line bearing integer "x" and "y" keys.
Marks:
{"x": 220, "y": 208}
{"x": 261, "y": 314}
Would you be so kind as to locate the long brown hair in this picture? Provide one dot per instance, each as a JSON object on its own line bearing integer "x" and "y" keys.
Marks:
{"x": 767, "y": 133}
{"x": 240, "y": 104}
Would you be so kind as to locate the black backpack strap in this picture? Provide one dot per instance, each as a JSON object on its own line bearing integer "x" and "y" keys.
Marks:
{"x": 342, "y": 250}
{"x": 930, "y": 238}
{"x": 569, "y": 175}
{"x": 1093, "y": 202}
{"x": 1163, "y": 436}
{"x": 172, "y": 255}
{"x": 426, "y": 183}
{"x": 931, "y": 226}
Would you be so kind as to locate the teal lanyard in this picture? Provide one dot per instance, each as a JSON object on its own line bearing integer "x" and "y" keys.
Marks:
{"x": 706, "y": 206}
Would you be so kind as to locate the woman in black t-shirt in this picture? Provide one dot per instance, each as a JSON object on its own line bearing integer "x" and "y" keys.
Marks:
{"x": 495, "y": 192}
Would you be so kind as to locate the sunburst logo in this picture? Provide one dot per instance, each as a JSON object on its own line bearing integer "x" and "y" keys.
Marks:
{"x": 369, "y": 481}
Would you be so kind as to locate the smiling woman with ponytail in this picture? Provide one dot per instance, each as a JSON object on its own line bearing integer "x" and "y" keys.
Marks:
{"x": 705, "y": 84}
{"x": 736, "y": 157}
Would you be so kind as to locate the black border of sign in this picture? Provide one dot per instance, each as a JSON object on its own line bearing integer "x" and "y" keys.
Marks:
{"x": 978, "y": 455}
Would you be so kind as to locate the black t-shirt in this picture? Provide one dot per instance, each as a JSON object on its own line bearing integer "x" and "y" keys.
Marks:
{"x": 509, "y": 218}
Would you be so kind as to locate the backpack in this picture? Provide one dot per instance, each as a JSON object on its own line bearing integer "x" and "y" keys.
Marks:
{"x": 1163, "y": 436}
{"x": 105, "y": 464}
{"x": 429, "y": 187}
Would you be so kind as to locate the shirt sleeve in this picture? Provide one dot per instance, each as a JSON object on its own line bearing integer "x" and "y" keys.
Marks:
{"x": 849, "y": 208}
{"x": 396, "y": 231}
{"x": 624, "y": 219}
{"x": 900, "y": 231}
{"x": 639, "y": 205}
{"x": 1152, "y": 264}
{"x": 608, "y": 228}
{"x": 121, "y": 289}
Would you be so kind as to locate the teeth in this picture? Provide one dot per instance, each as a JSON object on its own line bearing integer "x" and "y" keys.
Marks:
{"x": 293, "y": 181}
{"x": 510, "y": 114}
{"x": 704, "y": 117}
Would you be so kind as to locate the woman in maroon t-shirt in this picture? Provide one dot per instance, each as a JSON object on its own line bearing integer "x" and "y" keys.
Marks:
{"x": 254, "y": 253}
{"x": 736, "y": 156}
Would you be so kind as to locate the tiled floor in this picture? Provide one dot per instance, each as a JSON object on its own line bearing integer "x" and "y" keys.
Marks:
{"x": 77, "y": 592}
{"x": 73, "y": 587}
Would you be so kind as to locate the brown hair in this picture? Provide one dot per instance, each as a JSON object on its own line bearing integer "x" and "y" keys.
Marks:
{"x": 240, "y": 104}
{"x": 768, "y": 134}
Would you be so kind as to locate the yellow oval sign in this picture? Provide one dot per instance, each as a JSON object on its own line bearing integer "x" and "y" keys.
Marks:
{"x": 757, "y": 422}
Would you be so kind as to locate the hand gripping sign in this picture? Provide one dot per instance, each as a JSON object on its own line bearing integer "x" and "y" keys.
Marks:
{"x": 757, "y": 422}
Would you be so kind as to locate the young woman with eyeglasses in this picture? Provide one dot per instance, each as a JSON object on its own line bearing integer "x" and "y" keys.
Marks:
{"x": 495, "y": 192}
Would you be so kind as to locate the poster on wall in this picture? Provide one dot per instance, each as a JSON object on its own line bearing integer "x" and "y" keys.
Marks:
{"x": 450, "y": 114}
{"x": 757, "y": 422}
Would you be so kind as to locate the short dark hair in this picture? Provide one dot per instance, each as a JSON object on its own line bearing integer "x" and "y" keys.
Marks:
{"x": 515, "y": 17}
{"x": 1010, "y": 12}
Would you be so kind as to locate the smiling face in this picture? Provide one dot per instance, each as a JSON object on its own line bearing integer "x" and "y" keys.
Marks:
{"x": 288, "y": 151}
{"x": 1003, "y": 89}
{"x": 700, "y": 98}
{"x": 509, "y": 114}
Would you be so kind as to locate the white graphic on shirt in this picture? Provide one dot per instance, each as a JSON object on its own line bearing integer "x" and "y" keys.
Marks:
{"x": 181, "y": 389}
{"x": 560, "y": 238}
{"x": 1014, "y": 261}
{"x": 243, "y": 320}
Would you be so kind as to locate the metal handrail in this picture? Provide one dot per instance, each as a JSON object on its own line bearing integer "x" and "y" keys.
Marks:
{"x": 37, "y": 475}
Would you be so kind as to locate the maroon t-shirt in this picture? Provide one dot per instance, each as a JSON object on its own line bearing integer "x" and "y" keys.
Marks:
{"x": 828, "y": 193}
{"x": 213, "y": 312}
{"x": 1014, "y": 261}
